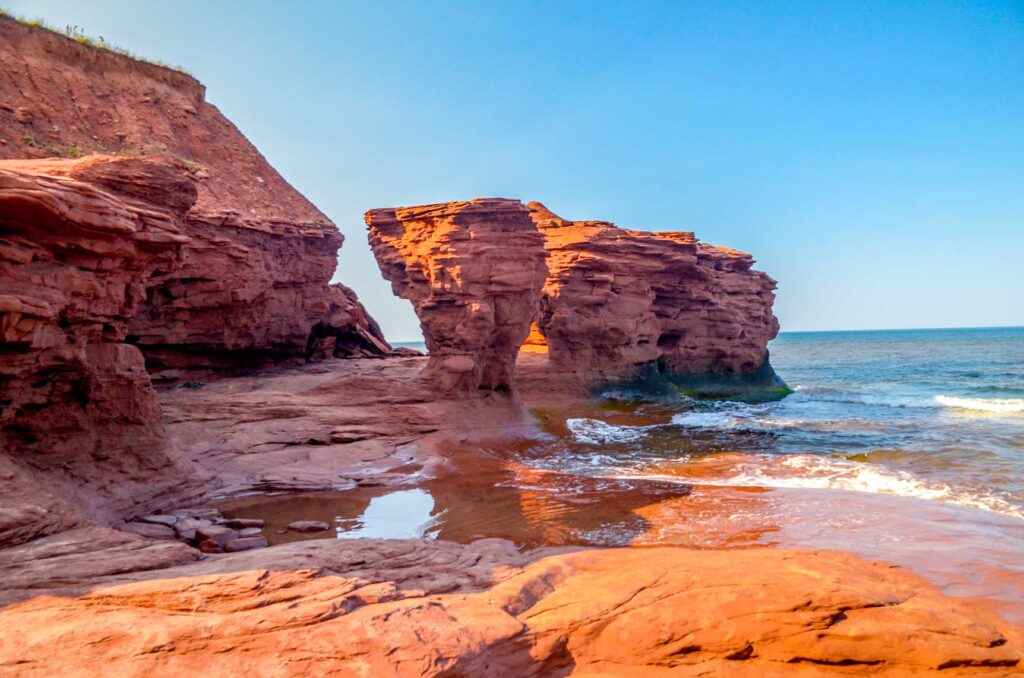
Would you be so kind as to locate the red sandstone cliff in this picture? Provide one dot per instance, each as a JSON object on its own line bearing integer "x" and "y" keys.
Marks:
{"x": 473, "y": 271}
{"x": 617, "y": 301}
{"x": 253, "y": 277}
{"x": 79, "y": 422}
{"x": 159, "y": 228}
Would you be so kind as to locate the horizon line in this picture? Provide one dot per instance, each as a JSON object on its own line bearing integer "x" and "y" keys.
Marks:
{"x": 908, "y": 329}
{"x": 868, "y": 329}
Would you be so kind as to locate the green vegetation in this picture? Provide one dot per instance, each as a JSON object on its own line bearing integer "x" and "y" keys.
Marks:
{"x": 66, "y": 151}
{"x": 78, "y": 35}
{"x": 132, "y": 149}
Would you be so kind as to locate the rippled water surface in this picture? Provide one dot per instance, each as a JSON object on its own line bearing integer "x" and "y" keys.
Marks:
{"x": 932, "y": 414}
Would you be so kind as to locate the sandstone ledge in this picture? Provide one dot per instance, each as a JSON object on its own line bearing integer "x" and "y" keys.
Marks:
{"x": 352, "y": 609}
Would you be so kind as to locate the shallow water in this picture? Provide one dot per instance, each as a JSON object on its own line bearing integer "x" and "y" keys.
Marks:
{"x": 899, "y": 446}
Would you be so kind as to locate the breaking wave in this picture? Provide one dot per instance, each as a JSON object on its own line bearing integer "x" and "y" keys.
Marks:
{"x": 807, "y": 471}
{"x": 997, "y": 405}
{"x": 597, "y": 432}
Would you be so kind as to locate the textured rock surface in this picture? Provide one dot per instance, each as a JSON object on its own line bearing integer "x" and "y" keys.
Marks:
{"x": 473, "y": 271}
{"x": 79, "y": 422}
{"x": 326, "y": 426}
{"x": 252, "y": 280}
{"x": 617, "y": 299}
{"x": 415, "y": 608}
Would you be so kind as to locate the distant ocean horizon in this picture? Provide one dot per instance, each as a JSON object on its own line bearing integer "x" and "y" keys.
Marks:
{"x": 420, "y": 345}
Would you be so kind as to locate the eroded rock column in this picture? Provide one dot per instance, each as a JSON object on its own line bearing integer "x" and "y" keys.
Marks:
{"x": 473, "y": 271}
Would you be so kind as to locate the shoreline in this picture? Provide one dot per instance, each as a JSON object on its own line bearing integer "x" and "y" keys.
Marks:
{"x": 291, "y": 407}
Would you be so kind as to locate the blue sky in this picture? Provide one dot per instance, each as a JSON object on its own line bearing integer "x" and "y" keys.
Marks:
{"x": 870, "y": 155}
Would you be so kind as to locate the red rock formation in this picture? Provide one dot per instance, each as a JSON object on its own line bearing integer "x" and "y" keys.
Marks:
{"x": 347, "y": 330}
{"x": 396, "y": 608}
{"x": 473, "y": 271}
{"x": 80, "y": 426}
{"x": 253, "y": 277}
{"x": 618, "y": 300}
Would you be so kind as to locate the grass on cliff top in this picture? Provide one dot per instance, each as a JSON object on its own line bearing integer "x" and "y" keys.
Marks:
{"x": 75, "y": 33}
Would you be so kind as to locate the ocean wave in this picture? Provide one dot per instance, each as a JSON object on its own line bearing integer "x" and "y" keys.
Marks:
{"x": 808, "y": 471}
{"x": 997, "y": 405}
{"x": 597, "y": 432}
{"x": 753, "y": 421}
{"x": 730, "y": 421}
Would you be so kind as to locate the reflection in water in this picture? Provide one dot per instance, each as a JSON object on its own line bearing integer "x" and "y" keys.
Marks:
{"x": 405, "y": 514}
{"x": 487, "y": 497}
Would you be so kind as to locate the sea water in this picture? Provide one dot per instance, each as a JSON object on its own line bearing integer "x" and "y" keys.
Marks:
{"x": 931, "y": 414}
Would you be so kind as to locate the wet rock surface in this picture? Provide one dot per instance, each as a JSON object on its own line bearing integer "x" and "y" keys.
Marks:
{"x": 308, "y": 526}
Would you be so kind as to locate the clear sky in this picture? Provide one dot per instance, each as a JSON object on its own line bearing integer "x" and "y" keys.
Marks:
{"x": 869, "y": 154}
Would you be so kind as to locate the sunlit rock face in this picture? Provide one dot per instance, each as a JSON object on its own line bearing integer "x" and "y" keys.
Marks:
{"x": 473, "y": 271}
{"x": 253, "y": 278}
{"x": 80, "y": 427}
{"x": 623, "y": 304}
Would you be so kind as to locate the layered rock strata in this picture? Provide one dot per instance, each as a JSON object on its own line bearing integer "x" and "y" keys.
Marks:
{"x": 620, "y": 303}
{"x": 80, "y": 426}
{"x": 473, "y": 271}
{"x": 253, "y": 276}
{"x": 400, "y": 608}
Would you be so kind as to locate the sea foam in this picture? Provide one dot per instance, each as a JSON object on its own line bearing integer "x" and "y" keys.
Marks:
{"x": 997, "y": 405}
{"x": 597, "y": 432}
{"x": 808, "y": 471}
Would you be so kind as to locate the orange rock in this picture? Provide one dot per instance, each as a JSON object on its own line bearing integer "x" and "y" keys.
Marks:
{"x": 619, "y": 612}
{"x": 616, "y": 301}
{"x": 473, "y": 271}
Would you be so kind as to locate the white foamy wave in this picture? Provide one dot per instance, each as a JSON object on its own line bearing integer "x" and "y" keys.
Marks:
{"x": 730, "y": 421}
{"x": 597, "y": 432}
{"x": 997, "y": 405}
{"x": 754, "y": 422}
{"x": 808, "y": 471}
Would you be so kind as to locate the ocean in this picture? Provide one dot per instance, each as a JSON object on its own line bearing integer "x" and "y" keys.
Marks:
{"x": 929, "y": 414}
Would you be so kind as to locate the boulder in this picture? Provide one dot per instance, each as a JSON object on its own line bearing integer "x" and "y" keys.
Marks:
{"x": 239, "y": 523}
{"x": 218, "y": 534}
